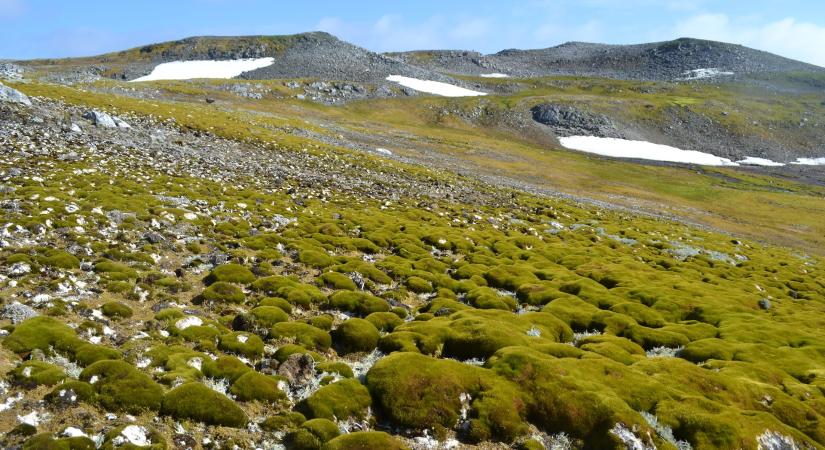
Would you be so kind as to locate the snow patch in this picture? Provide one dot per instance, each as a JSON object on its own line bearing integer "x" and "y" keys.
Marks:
{"x": 434, "y": 87}
{"x": 494, "y": 75}
{"x": 810, "y": 161}
{"x": 133, "y": 434}
{"x": 621, "y": 148}
{"x": 31, "y": 418}
{"x": 186, "y": 70}
{"x": 699, "y": 74}
{"x": 754, "y": 161}
{"x": 190, "y": 321}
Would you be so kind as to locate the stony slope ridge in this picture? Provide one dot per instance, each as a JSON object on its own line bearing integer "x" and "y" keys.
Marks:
{"x": 654, "y": 61}
{"x": 305, "y": 55}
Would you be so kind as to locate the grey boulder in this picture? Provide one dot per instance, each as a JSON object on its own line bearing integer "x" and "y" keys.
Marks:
{"x": 102, "y": 119}
{"x": 10, "y": 95}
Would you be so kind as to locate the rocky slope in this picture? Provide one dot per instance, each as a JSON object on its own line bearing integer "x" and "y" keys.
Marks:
{"x": 306, "y": 55}
{"x": 668, "y": 61}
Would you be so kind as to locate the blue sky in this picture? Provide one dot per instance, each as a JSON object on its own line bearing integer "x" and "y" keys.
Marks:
{"x": 55, "y": 28}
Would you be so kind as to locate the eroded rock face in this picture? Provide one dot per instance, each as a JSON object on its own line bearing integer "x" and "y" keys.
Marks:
{"x": 569, "y": 121}
{"x": 10, "y": 95}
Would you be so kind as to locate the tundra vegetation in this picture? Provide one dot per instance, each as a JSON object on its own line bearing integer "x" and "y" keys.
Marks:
{"x": 169, "y": 309}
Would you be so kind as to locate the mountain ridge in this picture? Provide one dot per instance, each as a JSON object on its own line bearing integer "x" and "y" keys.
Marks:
{"x": 323, "y": 55}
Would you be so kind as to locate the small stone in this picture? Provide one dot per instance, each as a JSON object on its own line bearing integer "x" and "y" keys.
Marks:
{"x": 765, "y": 304}
{"x": 298, "y": 369}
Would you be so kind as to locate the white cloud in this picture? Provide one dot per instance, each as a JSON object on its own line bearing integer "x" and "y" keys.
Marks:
{"x": 786, "y": 37}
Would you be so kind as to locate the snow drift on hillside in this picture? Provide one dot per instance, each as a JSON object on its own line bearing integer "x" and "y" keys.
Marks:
{"x": 700, "y": 74}
{"x": 620, "y": 148}
{"x": 754, "y": 161}
{"x": 810, "y": 161}
{"x": 186, "y": 70}
{"x": 434, "y": 87}
{"x": 494, "y": 75}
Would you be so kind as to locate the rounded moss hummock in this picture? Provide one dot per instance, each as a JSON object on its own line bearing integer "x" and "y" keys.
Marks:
{"x": 231, "y": 273}
{"x": 223, "y": 292}
{"x": 120, "y": 386}
{"x": 257, "y": 386}
{"x": 364, "y": 440}
{"x": 342, "y": 400}
{"x": 197, "y": 402}
{"x": 355, "y": 335}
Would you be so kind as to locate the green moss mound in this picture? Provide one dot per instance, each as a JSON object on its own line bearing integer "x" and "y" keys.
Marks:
{"x": 256, "y": 386}
{"x": 364, "y": 440}
{"x": 268, "y": 316}
{"x": 45, "y": 441}
{"x": 223, "y": 292}
{"x": 194, "y": 401}
{"x": 231, "y": 273}
{"x": 51, "y": 335}
{"x": 59, "y": 259}
{"x": 242, "y": 343}
{"x": 303, "y": 334}
{"x": 117, "y": 310}
{"x": 36, "y": 373}
{"x": 119, "y": 386}
{"x": 355, "y": 335}
{"x": 341, "y": 400}
{"x": 335, "y": 280}
{"x": 312, "y": 434}
{"x": 228, "y": 367}
{"x": 359, "y": 303}
{"x": 420, "y": 392}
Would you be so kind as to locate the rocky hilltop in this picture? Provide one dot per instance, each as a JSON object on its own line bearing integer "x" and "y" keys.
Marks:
{"x": 671, "y": 60}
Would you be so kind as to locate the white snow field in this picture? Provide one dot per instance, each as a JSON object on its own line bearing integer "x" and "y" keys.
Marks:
{"x": 698, "y": 74}
{"x": 187, "y": 70}
{"x": 810, "y": 161}
{"x": 621, "y": 148}
{"x": 494, "y": 75}
{"x": 434, "y": 87}
{"x": 754, "y": 161}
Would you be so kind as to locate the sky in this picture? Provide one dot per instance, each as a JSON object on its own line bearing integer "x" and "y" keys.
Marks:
{"x": 60, "y": 28}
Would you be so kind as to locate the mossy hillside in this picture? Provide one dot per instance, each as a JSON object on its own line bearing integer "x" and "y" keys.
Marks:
{"x": 580, "y": 279}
